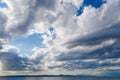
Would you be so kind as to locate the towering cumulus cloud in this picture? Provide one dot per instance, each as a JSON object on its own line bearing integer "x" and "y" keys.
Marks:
{"x": 60, "y": 35}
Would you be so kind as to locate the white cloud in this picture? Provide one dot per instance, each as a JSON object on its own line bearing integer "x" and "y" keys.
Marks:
{"x": 17, "y": 20}
{"x": 9, "y": 48}
{"x": 69, "y": 27}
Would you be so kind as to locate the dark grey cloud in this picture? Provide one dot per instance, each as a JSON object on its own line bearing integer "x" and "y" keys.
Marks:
{"x": 23, "y": 19}
{"x": 34, "y": 12}
{"x": 71, "y": 55}
{"x": 110, "y": 51}
{"x": 82, "y": 64}
{"x": 3, "y": 23}
{"x": 104, "y": 53}
{"x": 3, "y": 33}
{"x": 98, "y": 37}
{"x": 68, "y": 59}
{"x": 28, "y": 20}
{"x": 23, "y": 26}
{"x": 107, "y": 52}
{"x": 49, "y": 4}
{"x": 11, "y": 61}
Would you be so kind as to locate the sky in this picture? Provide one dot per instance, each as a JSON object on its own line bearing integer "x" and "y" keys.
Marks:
{"x": 52, "y": 37}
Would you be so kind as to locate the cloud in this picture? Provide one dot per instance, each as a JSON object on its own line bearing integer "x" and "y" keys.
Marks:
{"x": 46, "y": 4}
{"x": 97, "y": 64}
{"x": 11, "y": 61}
{"x": 94, "y": 35}
{"x": 88, "y": 36}
{"x": 3, "y": 21}
{"x": 98, "y": 37}
{"x": 102, "y": 44}
{"x": 10, "y": 58}
{"x": 17, "y": 20}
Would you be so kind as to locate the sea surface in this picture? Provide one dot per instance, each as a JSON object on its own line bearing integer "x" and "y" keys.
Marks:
{"x": 56, "y": 78}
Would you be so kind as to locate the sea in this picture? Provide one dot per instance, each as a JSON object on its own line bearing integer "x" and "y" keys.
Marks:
{"x": 57, "y": 78}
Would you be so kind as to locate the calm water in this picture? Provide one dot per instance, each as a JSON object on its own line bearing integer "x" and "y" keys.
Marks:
{"x": 55, "y": 78}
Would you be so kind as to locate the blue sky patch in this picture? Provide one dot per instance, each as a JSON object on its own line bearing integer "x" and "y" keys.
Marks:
{"x": 3, "y": 5}
{"x": 93, "y": 3}
{"x": 25, "y": 44}
{"x": 52, "y": 30}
